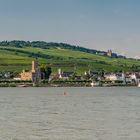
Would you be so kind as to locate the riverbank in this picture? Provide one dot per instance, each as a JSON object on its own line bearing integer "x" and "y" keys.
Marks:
{"x": 11, "y": 83}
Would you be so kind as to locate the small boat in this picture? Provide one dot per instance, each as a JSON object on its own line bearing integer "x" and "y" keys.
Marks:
{"x": 22, "y": 85}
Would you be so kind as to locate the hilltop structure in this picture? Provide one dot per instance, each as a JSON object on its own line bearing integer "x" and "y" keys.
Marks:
{"x": 109, "y": 53}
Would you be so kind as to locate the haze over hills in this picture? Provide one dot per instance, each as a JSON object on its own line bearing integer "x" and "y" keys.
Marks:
{"x": 17, "y": 55}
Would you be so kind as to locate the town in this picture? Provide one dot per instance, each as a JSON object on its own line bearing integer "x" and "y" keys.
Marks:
{"x": 43, "y": 76}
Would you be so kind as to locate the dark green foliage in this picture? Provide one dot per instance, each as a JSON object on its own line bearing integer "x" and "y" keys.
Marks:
{"x": 31, "y": 54}
{"x": 46, "y": 70}
{"x": 45, "y": 45}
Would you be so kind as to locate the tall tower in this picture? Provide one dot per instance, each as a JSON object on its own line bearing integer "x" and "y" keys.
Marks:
{"x": 59, "y": 71}
{"x": 36, "y": 75}
{"x": 34, "y": 66}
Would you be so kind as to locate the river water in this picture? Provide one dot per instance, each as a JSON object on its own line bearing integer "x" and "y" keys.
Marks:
{"x": 79, "y": 114}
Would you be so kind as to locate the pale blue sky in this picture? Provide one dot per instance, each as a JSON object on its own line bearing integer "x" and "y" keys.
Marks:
{"x": 97, "y": 24}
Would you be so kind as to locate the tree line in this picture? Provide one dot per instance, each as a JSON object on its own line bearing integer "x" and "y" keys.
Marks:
{"x": 47, "y": 45}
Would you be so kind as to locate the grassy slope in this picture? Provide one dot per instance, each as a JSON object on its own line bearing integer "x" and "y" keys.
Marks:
{"x": 68, "y": 60}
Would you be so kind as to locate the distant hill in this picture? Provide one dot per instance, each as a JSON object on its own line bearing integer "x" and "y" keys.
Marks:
{"x": 46, "y": 45}
{"x": 17, "y": 55}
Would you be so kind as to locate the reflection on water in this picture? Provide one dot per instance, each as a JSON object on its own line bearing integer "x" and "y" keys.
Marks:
{"x": 80, "y": 114}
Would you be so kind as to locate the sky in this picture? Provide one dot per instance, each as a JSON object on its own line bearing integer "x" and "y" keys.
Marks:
{"x": 96, "y": 24}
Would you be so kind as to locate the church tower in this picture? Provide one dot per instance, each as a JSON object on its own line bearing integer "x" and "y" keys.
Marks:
{"x": 34, "y": 66}
{"x": 109, "y": 53}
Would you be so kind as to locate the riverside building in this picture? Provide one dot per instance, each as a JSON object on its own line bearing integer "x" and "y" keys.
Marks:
{"x": 34, "y": 75}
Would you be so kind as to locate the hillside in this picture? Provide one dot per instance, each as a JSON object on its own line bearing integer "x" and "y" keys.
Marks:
{"x": 18, "y": 56}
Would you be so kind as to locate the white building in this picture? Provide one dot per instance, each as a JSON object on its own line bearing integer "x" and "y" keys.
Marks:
{"x": 135, "y": 77}
{"x": 64, "y": 75}
{"x": 115, "y": 77}
{"x": 111, "y": 77}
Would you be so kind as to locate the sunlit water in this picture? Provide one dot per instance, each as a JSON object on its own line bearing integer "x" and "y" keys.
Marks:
{"x": 80, "y": 114}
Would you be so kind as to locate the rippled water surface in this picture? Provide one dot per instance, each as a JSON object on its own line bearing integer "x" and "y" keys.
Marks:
{"x": 80, "y": 114}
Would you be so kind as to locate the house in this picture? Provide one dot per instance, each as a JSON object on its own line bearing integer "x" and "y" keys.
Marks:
{"x": 129, "y": 78}
{"x": 135, "y": 77}
{"x": 8, "y": 75}
{"x": 64, "y": 75}
{"x": 78, "y": 77}
{"x": 115, "y": 77}
{"x": 121, "y": 56}
{"x": 111, "y": 77}
{"x": 120, "y": 77}
{"x": 89, "y": 75}
{"x": 92, "y": 73}
{"x": 101, "y": 53}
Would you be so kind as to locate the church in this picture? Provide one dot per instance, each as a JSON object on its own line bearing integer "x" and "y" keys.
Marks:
{"x": 34, "y": 75}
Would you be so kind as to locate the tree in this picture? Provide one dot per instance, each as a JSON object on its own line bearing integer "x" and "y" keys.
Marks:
{"x": 87, "y": 76}
{"x": 74, "y": 76}
{"x": 46, "y": 70}
{"x": 101, "y": 73}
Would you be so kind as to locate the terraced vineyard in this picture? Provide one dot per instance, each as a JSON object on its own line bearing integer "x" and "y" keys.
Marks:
{"x": 15, "y": 59}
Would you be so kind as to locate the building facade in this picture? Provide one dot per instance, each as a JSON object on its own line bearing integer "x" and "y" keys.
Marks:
{"x": 34, "y": 75}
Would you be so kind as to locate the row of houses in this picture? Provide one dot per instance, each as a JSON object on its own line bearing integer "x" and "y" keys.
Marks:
{"x": 6, "y": 75}
{"x": 126, "y": 78}
{"x": 35, "y": 75}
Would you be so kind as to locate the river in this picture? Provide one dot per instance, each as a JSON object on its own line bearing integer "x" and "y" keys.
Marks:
{"x": 70, "y": 113}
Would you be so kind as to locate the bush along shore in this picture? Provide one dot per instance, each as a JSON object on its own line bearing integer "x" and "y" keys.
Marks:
{"x": 61, "y": 83}
{"x": 83, "y": 83}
